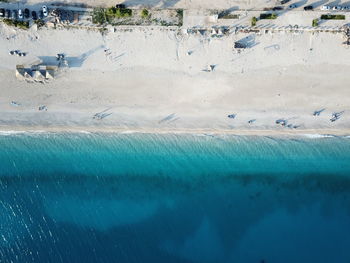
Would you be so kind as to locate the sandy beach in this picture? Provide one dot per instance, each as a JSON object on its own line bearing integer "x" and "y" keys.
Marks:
{"x": 156, "y": 80}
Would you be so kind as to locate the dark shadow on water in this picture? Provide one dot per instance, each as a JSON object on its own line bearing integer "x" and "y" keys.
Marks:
{"x": 55, "y": 241}
{"x": 163, "y": 184}
{"x": 231, "y": 205}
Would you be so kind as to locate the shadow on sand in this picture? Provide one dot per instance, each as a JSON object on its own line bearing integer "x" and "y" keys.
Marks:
{"x": 73, "y": 62}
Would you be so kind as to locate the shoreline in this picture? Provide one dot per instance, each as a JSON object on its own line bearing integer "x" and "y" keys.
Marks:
{"x": 314, "y": 133}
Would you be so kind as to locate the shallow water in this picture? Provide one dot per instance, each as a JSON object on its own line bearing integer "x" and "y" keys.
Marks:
{"x": 173, "y": 198}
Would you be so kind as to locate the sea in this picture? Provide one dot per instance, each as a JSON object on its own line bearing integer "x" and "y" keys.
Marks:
{"x": 104, "y": 197}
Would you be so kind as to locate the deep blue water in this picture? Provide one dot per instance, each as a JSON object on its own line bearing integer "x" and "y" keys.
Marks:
{"x": 174, "y": 198}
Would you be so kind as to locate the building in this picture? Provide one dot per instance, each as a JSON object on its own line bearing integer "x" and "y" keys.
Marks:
{"x": 36, "y": 73}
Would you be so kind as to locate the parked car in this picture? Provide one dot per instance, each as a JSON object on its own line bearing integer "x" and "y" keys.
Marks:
{"x": 26, "y": 13}
{"x": 120, "y": 6}
{"x": 2, "y": 12}
{"x": 325, "y": 8}
{"x": 45, "y": 12}
{"x": 34, "y": 15}
{"x": 308, "y": 8}
{"x": 293, "y": 6}
{"x": 337, "y": 8}
{"x": 8, "y": 13}
{"x": 20, "y": 14}
{"x": 14, "y": 14}
{"x": 277, "y": 8}
{"x": 282, "y": 2}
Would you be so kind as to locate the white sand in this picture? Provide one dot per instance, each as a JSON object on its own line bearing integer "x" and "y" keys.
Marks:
{"x": 149, "y": 83}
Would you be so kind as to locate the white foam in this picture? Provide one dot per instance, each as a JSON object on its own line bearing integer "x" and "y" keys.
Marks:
{"x": 7, "y": 133}
{"x": 128, "y": 132}
{"x": 318, "y": 136}
{"x": 84, "y": 132}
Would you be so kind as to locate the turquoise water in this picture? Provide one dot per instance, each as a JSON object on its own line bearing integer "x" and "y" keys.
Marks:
{"x": 174, "y": 198}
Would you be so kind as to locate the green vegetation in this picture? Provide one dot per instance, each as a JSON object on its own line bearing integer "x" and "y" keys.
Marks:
{"x": 144, "y": 13}
{"x": 8, "y": 22}
{"x": 99, "y": 16}
{"x": 118, "y": 12}
{"x": 102, "y": 16}
{"x": 40, "y": 23}
{"x": 125, "y": 16}
{"x": 22, "y": 24}
{"x": 164, "y": 23}
{"x": 161, "y": 22}
{"x": 268, "y": 16}
{"x": 333, "y": 17}
{"x": 315, "y": 22}
{"x": 180, "y": 15}
{"x": 254, "y": 20}
{"x": 226, "y": 14}
{"x": 19, "y": 24}
{"x": 230, "y": 16}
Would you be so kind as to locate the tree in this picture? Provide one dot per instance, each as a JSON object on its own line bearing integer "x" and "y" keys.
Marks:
{"x": 144, "y": 13}
{"x": 254, "y": 20}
